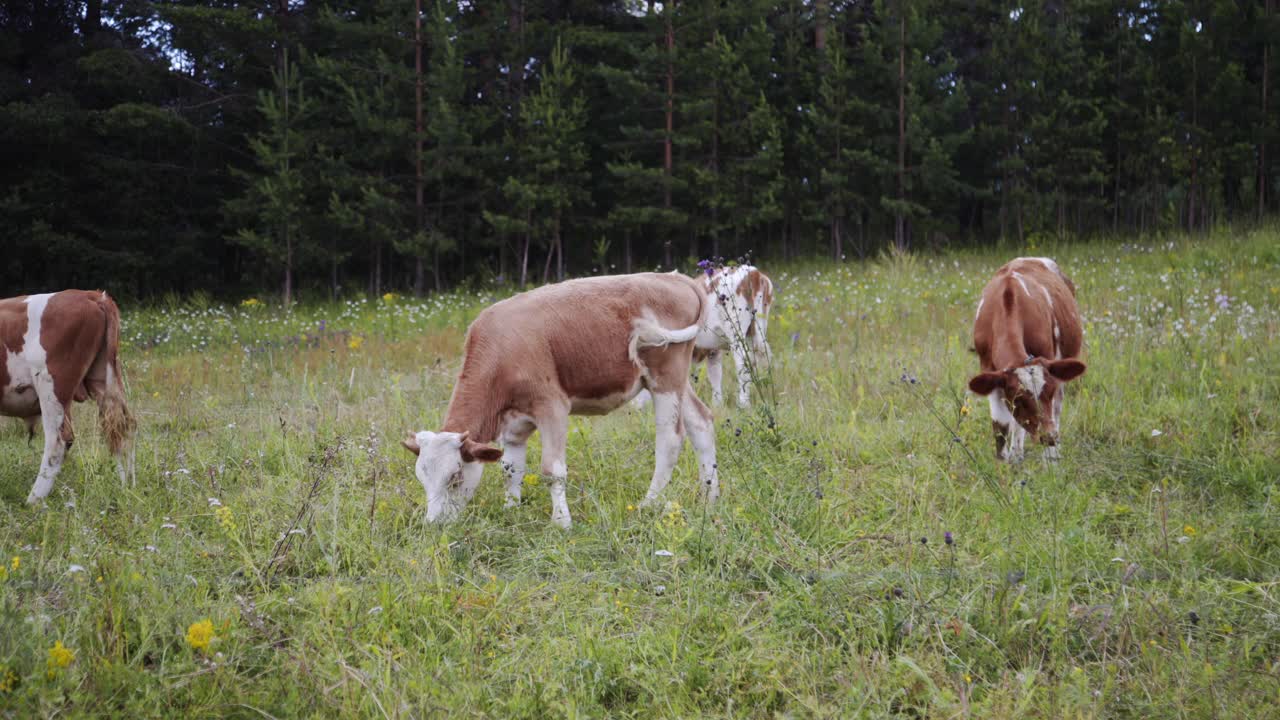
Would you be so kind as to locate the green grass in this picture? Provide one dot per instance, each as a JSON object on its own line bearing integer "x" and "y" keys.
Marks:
{"x": 1135, "y": 578}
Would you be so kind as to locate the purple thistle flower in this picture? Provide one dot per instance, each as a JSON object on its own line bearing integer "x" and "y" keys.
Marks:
{"x": 947, "y": 537}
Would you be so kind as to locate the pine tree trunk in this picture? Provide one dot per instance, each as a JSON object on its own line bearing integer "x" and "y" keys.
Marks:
{"x": 502, "y": 258}
{"x": 333, "y": 274}
{"x": 820, "y": 25}
{"x": 524, "y": 262}
{"x": 666, "y": 140}
{"x": 1266, "y": 118}
{"x": 900, "y": 224}
{"x": 1191, "y": 194}
{"x": 559, "y": 250}
{"x": 419, "y": 206}
{"x": 288, "y": 269}
{"x": 92, "y": 19}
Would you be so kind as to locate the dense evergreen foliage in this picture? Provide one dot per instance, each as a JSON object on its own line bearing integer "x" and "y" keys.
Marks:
{"x": 371, "y": 145}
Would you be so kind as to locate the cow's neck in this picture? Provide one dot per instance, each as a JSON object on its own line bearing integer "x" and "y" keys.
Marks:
{"x": 474, "y": 408}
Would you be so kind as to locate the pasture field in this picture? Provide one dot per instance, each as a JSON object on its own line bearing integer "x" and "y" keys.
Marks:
{"x": 868, "y": 558}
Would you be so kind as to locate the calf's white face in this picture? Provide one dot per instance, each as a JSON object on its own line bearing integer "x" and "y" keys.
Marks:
{"x": 444, "y": 459}
{"x": 1028, "y": 395}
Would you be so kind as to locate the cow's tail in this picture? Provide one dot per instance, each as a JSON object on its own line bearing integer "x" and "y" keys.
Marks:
{"x": 646, "y": 332}
{"x": 113, "y": 411}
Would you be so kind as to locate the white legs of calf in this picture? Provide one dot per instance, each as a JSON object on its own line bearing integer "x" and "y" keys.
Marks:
{"x": 715, "y": 376}
{"x": 666, "y": 418}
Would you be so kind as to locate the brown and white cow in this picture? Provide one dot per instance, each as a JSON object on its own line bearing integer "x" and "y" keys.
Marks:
{"x": 1028, "y": 337}
{"x": 58, "y": 348}
{"x": 581, "y": 347}
{"x": 738, "y": 322}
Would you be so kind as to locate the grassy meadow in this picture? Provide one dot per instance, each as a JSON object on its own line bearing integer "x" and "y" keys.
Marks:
{"x": 271, "y": 558}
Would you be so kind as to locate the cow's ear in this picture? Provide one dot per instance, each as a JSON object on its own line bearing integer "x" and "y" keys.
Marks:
{"x": 986, "y": 383}
{"x": 410, "y": 443}
{"x": 479, "y": 452}
{"x": 1068, "y": 369}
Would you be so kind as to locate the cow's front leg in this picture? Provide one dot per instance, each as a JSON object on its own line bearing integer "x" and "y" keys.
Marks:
{"x": 555, "y": 435}
{"x": 513, "y": 465}
{"x": 666, "y": 418}
{"x": 58, "y": 436}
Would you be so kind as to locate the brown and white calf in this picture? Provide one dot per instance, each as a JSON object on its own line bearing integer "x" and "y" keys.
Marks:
{"x": 740, "y": 297}
{"x": 1028, "y": 336}
{"x": 58, "y": 348}
{"x": 581, "y": 347}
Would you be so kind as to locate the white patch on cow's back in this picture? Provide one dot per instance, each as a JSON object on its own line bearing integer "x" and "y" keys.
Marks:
{"x": 1031, "y": 377}
{"x": 1047, "y": 297}
{"x": 1021, "y": 281}
{"x": 1047, "y": 262}
{"x": 32, "y": 350}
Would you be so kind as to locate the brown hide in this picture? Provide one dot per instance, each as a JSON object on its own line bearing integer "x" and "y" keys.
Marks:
{"x": 536, "y": 353}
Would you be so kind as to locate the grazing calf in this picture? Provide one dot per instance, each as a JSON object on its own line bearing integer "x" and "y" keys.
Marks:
{"x": 1027, "y": 334}
{"x": 740, "y": 297}
{"x": 581, "y": 347}
{"x": 57, "y": 348}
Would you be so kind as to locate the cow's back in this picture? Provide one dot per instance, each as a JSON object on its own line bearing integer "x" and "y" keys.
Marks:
{"x": 1029, "y": 303}
{"x": 576, "y": 333}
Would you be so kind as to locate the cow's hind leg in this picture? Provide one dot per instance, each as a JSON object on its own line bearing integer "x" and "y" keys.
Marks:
{"x": 555, "y": 437}
{"x": 58, "y": 435}
{"x": 699, "y": 425}
{"x": 666, "y": 418}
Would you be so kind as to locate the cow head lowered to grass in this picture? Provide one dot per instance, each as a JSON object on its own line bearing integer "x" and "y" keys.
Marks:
{"x": 1028, "y": 334}
{"x": 581, "y": 347}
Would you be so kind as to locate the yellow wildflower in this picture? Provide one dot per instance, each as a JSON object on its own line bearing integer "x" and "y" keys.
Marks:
{"x": 15, "y": 563}
{"x": 389, "y": 297}
{"x": 1188, "y": 530}
{"x": 964, "y": 409}
{"x": 60, "y": 656}
{"x": 355, "y": 342}
{"x": 968, "y": 678}
{"x": 225, "y": 518}
{"x": 531, "y": 479}
{"x": 8, "y": 680}
{"x": 200, "y": 634}
{"x": 250, "y": 302}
